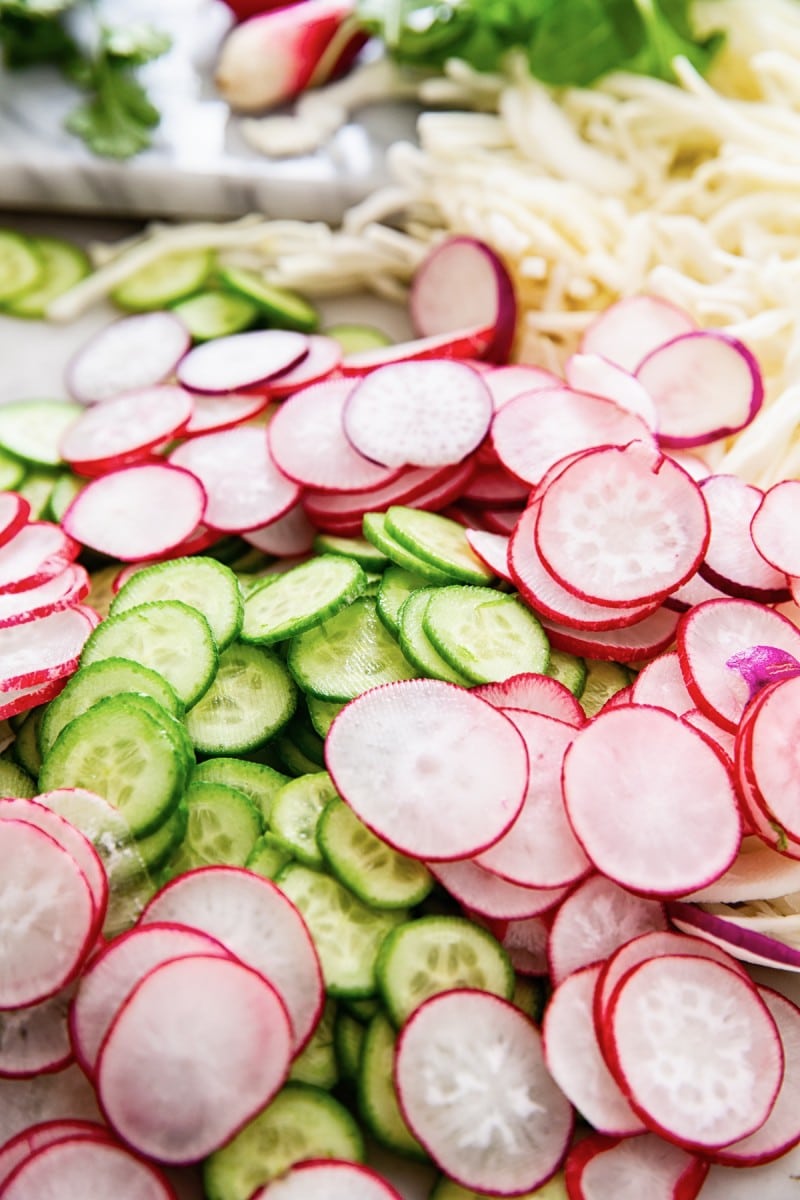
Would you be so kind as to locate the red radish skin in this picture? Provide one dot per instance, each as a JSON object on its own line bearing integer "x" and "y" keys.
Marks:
{"x": 598, "y": 1168}
{"x": 630, "y": 329}
{"x": 125, "y": 429}
{"x": 137, "y": 351}
{"x": 212, "y": 414}
{"x": 327, "y": 1179}
{"x": 774, "y": 527}
{"x": 322, "y": 360}
{"x": 43, "y": 649}
{"x": 459, "y": 345}
{"x": 228, "y": 364}
{"x": 82, "y": 1166}
{"x": 35, "y": 554}
{"x": 14, "y": 513}
{"x": 19, "y": 700}
{"x": 487, "y": 894}
{"x": 600, "y": 377}
{"x": 35, "y": 1040}
{"x": 492, "y": 550}
{"x": 64, "y": 590}
{"x": 494, "y": 487}
{"x": 21, "y": 1146}
{"x": 732, "y": 561}
{"x": 534, "y": 693}
{"x": 633, "y": 643}
{"x": 324, "y": 507}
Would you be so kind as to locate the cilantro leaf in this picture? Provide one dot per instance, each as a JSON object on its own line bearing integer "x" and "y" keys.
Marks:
{"x": 31, "y": 32}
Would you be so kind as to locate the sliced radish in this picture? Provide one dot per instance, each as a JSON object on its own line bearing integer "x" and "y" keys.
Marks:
{"x": 448, "y": 489}
{"x": 732, "y": 562}
{"x": 661, "y": 684}
{"x": 14, "y": 513}
{"x": 137, "y": 513}
{"x": 483, "y": 892}
{"x": 512, "y": 380}
{"x": 750, "y": 939}
{"x": 463, "y": 282}
{"x": 774, "y": 527}
{"x": 35, "y": 1040}
{"x": 84, "y": 1168}
{"x": 494, "y": 487}
{"x": 19, "y": 700}
{"x": 723, "y": 738}
{"x": 243, "y": 486}
{"x": 432, "y": 769}
{"x": 323, "y": 357}
{"x": 634, "y": 643}
{"x": 694, "y": 591}
{"x": 595, "y": 920}
{"x": 534, "y": 693}
{"x": 458, "y": 344}
{"x": 627, "y": 331}
{"x": 537, "y": 429}
{"x": 328, "y": 1179}
{"x": 705, "y": 384}
{"x": 574, "y": 1058}
{"x": 622, "y": 526}
{"x": 47, "y": 915}
{"x": 62, "y": 1095}
{"x": 286, "y": 537}
{"x": 253, "y": 919}
{"x": 222, "y": 1040}
{"x": 213, "y": 413}
{"x": 600, "y": 377}
{"x": 43, "y": 649}
{"x": 34, "y": 555}
{"x": 324, "y": 507}
{"x": 769, "y": 749}
{"x": 113, "y": 974}
{"x": 125, "y": 428}
{"x": 228, "y": 364}
{"x": 64, "y": 590}
{"x": 474, "y": 1089}
{"x": 423, "y": 414}
{"x": 628, "y": 1169}
{"x": 757, "y": 873}
{"x": 492, "y": 550}
{"x": 696, "y": 1050}
{"x": 36, "y": 1137}
{"x": 525, "y": 942}
{"x": 133, "y": 352}
{"x": 308, "y": 443}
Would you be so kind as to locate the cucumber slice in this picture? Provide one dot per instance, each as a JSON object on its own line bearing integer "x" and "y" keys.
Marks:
{"x": 211, "y": 314}
{"x": 12, "y": 472}
{"x": 353, "y": 337}
{"x": 377, "y": 1097}
{"x": 602, "y": 681}
{"x": 15, "y": 781}
{"x": 251, "y": 697}
{"x": 373, "y": 871}
{"x": 296, "y": 811}
{"x": 306, "y": 739}
{"x": 269, "y": 856}
{"x": 281, "y": 308}
{"x": 205, "y": 584}
{"x": 292, "y": 758}
{"x": 376, "y": 531}
{"x": 64, "y": 491}
{"x": 302, "y": 1122}
{"x": 348, "y": 1040}
{"x": 438, "y": 540}
{"x": 37, "y": 488}
{"x": 257, "y": 780}
{"x": 32, "y": 429}
{"x": 160, "y": 284}
{"x": 358, "y": 548}
{"x": 288, "y": 604}
{"x": 157, "y": 848}
{"x": 222, "y": 828}
{"x": 316, "y": 1064}
{"x": 568, "y": 669}
{"x": 485, "y": 634}
{"x": 322, "y": 713}
{"x": 417, "y": 646}
{"x": 25, "y": 747}
{"x": 396, "y": 586}
{"x": 20, "y": 265}
{"x": 430, "y": 955}
{"x": 62, "y": 265}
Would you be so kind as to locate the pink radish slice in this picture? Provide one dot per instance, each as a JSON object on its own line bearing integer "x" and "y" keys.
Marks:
{"x": 34, "y": 555}
{"x": 723, "y": 738}
{"x": 487, "y": 894}
{"x": 223, "y": 1043}
{"x": 534, "y": 693}
{"x": 64, "y": 590}
{"x": 35, "y": 1040}
{"x": 447, "y": 490}
{"x": 600, "y": 377}
{"x": 757, "y": 873}
{"x": 492, "y": 550}
{"x": 525, "y": 942}
{"x": 244, "y": 488}
{"x": 540, "y": 850}
{"x": 241, "y": 360}
{"x": 212, "y": 414}
{"x": 430, "y": 768}
{"x": 537, "y": 429}
{"x": 82, "y": 1167}
{"x": 627, "y": 331}
{"x": 327, "y": 1179}
{"x": 62, "y": 1095}
{"x": 507, "y": 382}
{"x": 723, "y": 1047}
{"x": 47, "y": 916}
{"x": 458, "y": 345}
{"x": 732, "y": 561}
{"x": 749, "y": 939}
{"x": 253, "y": 919}
{"x": 710, "y": 634}
{"x": 44, "y": 649}
{"x": 424, "y": 414}
{"x": 19, "y": 700}
{"x": 622, "y": 526}
{"x": 645, "y": 771}
{"x": 774, "y": 527}
{"x": 763, "y": 665}
{"x": 138, "y": 512}
{"x": 596, "y": 919}
{"x": 598, "y": 1168}
{"x": 768, "y": 752}
{"x": 286, "y": 537}
{"x": 344, "y": 506}
{"x": 308, "y": 443}
{"x": 660, "y": 684}
{"x": 705, "y": 384}
{"x": 125, "y": 428}
{"x": 495, "y": 488}
{"x": 694, "y": 591}
{"x": 549, "y": 597}
{"x": 692, "y": 464}
{"x": 501, "y": 520}
{"x": 134, "y": 352}
{"x": 323, "y": 357}
{"x": 463, "y": 282}
{"x": 645, "y": 639}
{"x": 474, "y": 1089}
{"x": 574, "y": 1058}
{"x": 781, "y": 1130}
{"x": 112, "y": 975}
{"x": 14, "y": 513}
{"x": 36, "y": 1137}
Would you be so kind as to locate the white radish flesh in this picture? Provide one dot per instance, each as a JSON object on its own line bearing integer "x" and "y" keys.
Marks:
{"x": 732, "y": 562}
{"x": 133, "y": 352}
{"x": 647, "y": 637}
{"x": 631, "y": 1168}
{"x": 43, "y": 649}
{"x": 64, "y": 590}
{"x": 630, "y": 329}
{"x": 534, "y": 693}
{"x": 86, "y": 1168}
{"x": 228, "y": 364}
{"x": 774, "y": 527}
{"x": 35, "y": 554}
{"x": 600, "y": 377}
{"x": 318, "y": 1179}
{"x": 323, "y": 357}
{"x": 212, "y": 414}
{"x": 125, "y": 428}
{"x": 35, "y": 1039}
{"x": 487, "y": 894}
{"x": 45, "y": 1133}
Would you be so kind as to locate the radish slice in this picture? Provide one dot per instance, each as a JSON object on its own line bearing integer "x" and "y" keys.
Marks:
{"x": 751, "y": 939}
{"x": 125, "y": 428}
{"x": 138, "y": 512}
{"x": 732, "y": 562}
{"x": 536, "y": 430}
{"x": 327, "y": 1179}
{"x": 253, "y": 919}
{"x": 64, "y": 590}
{"x": 113, "y": 974}
{"x": 626, "y": 332}
{"x": 35, "y": 1040}
{"x": 494, "y": 487}
{"x": 240, "y": 360}
{"x": 534, "y": 693}
{"x": 595, "y": 920}
{"x": 323, "y": 357}
{"x": 574, "y": 1059}
{"x": 78, "y": 1167}
{"x": 487, "y": 894}
{"x": 757, "y": 873}
{"x": 133, "y": 352}
{"x": 507, "y": 382}
{"x": 308, "y": 443}
{"x": 286, "y": 537}
{"x": 706, "y": 385}
{"x": 492, "y": 550}
{"x": 212, "y": 414}
{"x": 62, "y": 1095}
{"x": 222, "y": 1040}
{"x": 244, "y": 488}
{"x": 644, "y": 771}
{"x": 34, "y": 555}
{"x": 598, "y": 1168}
{"x": 721, "y": 1046}
{"x": 47, "y": 915}
{"x": 43, "y": 649}
{"x": 661, "y": 684}
{"x": 425, "y": 414}
{"x": 430, "y": 768}
{"x": 19, "y": 700}
{"x": 525, "y": 942}
{"x": 463, "y": 282}
{"x": 14, "y": 513}
{"x": 327, "y": 507}
{"x": 23, "y": 1144}
{"x": 600, "y": 377}
{"x": 474, "y": 1089}
{"x": 774, "y": 527}
{"x": 634, "y": 643}
{"x": 694, "y": 591}
{"x": 622, "y": 526}
{"x": 459, "y": 344}
{"x": 768, "y": 752}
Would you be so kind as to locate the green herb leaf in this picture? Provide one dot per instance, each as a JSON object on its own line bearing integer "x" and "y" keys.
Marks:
{"x": 32, "y": 33}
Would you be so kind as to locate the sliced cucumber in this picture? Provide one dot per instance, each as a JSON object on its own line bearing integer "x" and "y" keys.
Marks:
{"x": 64, "y": 491}
{"x": 373, "y": 871}
{"x": 484, "y": 634}
{"x": 358, "y": 548}
{"x": 317, "y": 1064}
{"x": 15, "y": 781}
{"x": 222, "y": 828}
{"x": 348, "y": 1038}
{"x": 296, "y": 811}
{"x": 12, "y": 472}
{"x": 437, "y": 540}
{"x": 567, "y": 669}
{"x": 280, "y": 307}
{"x": 396, "y": 586}
{"x": 322, "y": 713}
{"x": 288, "y": 604}
{"x": 251, "y": 697}
{"x": 62, "y": 265}
{"x": 602, "y": 681}
{"x": 376, "y": 531}
{"x": 417, "y": 646}
{"x": 353, "y": 337}
{"x": 202, "y": 582}
{"x": 212, "y": 314}
{"x": 25, "y": 747}
{"x": 20, "y": 265}
{"x": 170, "y": 278}
{"x": 257, "y": 780}
{"x": 377, "y": 1098}
{"x": 32, "y": 429}
{"x": 269, "y": 856}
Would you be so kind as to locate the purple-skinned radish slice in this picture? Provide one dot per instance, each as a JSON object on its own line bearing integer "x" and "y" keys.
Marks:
{"x": 464, "y": 282}
{"x": 43, "y": 649}
{"x": 458, "y": 345}
{"x": 14, "y": 513}
{"x": 661, "y": 683}
{"x": 486, "y": 894}
{"x": 774, "y": 527}
{"x": 327, "y": 1179}
{"x": 644, "y": 771}
{"x": 85, "y": 1166}
{"x": 38, "y": 552}
{"x": 762, "y": 665}
{"x": 760, "y": 940}
{"x": 494, "y": 487}
{"x": 525, "y": 942}
{"x": 42, "y": 1134}
{"x": 705, "y": 385}
{"x": 646, "y": 638}
{"x": 599, "y": 1167}
{"x": 125, "y": 428}
{"x": 732, "y": 561}
{"x": 512, "y": 380}
{"x": 600, "y": 377}
{"x": 35, "y": 1040}
{"x": 137, "y": 512}
{"x": 492, "y": 550}
{"x": 575, "y": 1060}
{"x": 422, "y": 414}
{"x": 212, "y": 414}
{"x": 137, "y": 351}
{"x": 323, "y": 357}
{"x": 695, "y": 1049}
{"x": 474, "y": 1089}
{"x": 241, "y": 360}
{"x": 534, "y": 693}
{"x": 622, "y": 526}
{"x": 630, "y": 329}
{"x": 402, "y": 754}
{"x": 64, "y": 590}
